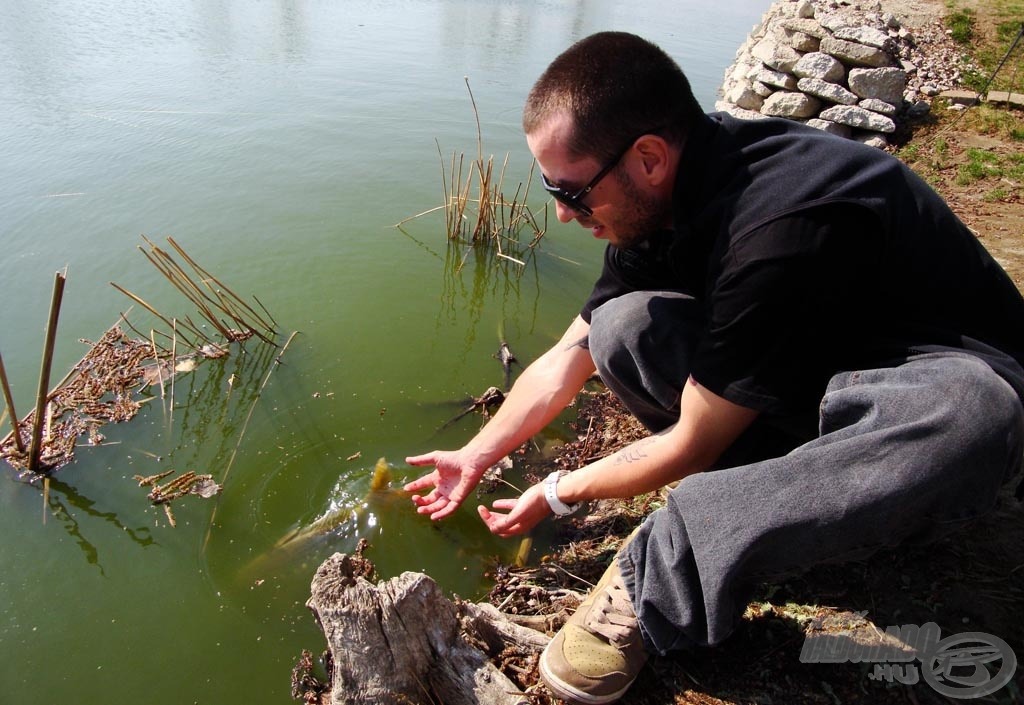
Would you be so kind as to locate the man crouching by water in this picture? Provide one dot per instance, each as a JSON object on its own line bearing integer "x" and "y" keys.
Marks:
{"x": 824, "y": 354}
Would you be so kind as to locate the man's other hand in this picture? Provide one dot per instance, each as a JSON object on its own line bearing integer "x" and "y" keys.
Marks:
{"x": 526, "y": 512}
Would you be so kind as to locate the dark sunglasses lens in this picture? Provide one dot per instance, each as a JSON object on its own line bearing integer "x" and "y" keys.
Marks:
{"x": 564, "y": 197}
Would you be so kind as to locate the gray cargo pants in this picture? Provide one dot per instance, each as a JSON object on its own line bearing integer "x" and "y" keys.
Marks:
{"x": 904, "y": 453}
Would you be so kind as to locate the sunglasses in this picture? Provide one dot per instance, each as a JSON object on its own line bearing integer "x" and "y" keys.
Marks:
{"x": 574, "y": 199}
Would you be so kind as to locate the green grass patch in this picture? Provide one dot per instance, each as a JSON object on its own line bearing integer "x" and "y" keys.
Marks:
{"x": 980, "y": 165}
{"x": 910, "y": 153}
{"x": 960, "y": 23}
{"x": 1007, "y": 171}
{"x": 1006, "y": 32}
{"x": 995, "y": 121}
{"x": 986, "y": 38}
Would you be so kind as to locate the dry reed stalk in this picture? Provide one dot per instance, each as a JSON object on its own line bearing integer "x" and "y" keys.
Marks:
{"x": 123, "y": 317}
{"x": 511, "y": 259}
{"x": 11, "y": 413}
{"x": 200, "y": 336}
{"x": 501, "y": 196}
{"x": 44, "y": 370}
{"x": 174, "y": 356}
{"x": 159, "y": 368}
{"x": 181, "y": 280}
{"x": 222, "y": 289}
{"x": 212, "y": 298}
{"x": 403, "y": 221}
{"x": 264, "y": 309}
{"x": 486, "y": 210}
{"x": 444, "y": 189}
{"x": 457, "y": 214}
{"x": 497, "y": 218}
{"x": 46, "y": 496}
{"x": 173, "y": 273}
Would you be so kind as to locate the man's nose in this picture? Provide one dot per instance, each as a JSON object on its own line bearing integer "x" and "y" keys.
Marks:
{"x": 564, "y": 213}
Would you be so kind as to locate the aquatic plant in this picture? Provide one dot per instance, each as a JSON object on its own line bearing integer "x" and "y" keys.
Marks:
{"x": 498, "y": 220}
{"x": 103, "y": 387}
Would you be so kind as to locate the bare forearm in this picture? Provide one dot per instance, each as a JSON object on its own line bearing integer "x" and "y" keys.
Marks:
{"x": 543, "y": 390}
{"x": 537, "y": 397}
{"x": 707, "y": 426}
{"x": 643, "y": 466}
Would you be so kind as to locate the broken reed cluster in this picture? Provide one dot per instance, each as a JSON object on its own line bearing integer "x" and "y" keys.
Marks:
{"x": 497, "y": 220}
{"x": 230, "y": 316}
{"x": 101, "y": 386}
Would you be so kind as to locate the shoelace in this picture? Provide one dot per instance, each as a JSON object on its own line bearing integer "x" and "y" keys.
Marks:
{"x": 612, "y": 616}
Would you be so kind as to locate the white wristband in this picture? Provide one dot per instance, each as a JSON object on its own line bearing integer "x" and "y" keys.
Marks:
{"x": 559, "y": 507}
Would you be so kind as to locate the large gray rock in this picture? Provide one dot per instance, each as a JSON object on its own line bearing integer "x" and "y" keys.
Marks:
{"x": 771, "y": 77}
{"x": 833, "y": 128}
{"x": 886, "y": 84}
{"x": 789, "y": 104}
{"x": 745, "y": 97}
{"x": 878, "y": 106}
{"x": 871, "y": 139}
{"x": 858, "y": 117}
{"x": 834, "y": 21}
{"x": 775, "y": 55}
{"x": 865, "y": 35}
{"x": 819, "y": 65}
{"x": 807, "y": 26}
{"x": 741, "y": 69}
{"x": 801, "y": 41}
{"x": 832, "y": 92}
{"x": 723, "y": 106}
{"x": 854, "y": 53}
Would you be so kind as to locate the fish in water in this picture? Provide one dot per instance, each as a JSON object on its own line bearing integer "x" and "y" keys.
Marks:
{"x": 380, "y": 482}
{"x": 303, "y": 539}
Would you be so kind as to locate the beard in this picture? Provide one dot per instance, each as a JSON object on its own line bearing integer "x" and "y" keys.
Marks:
{"x": 644, "y": 214}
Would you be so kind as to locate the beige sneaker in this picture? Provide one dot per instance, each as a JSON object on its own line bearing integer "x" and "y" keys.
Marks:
{"x": 598, "y": 654}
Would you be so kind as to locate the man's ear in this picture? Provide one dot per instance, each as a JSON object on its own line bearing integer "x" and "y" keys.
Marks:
{"x": 656, "y": 158}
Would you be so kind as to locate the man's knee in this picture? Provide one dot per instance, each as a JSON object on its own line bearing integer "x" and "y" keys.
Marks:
{"x": 998, "y": 405}
{"x": 953, "y": 393}
{"x": 617, "y": 324}
{"x": 980, "y": 406}
{"x": 643, "y": 324}
{"x": 941, "y": 419}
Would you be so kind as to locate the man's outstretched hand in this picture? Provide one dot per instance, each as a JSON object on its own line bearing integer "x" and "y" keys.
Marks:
{"x": 451, "y": 481}
{"x": 524, "y": 513}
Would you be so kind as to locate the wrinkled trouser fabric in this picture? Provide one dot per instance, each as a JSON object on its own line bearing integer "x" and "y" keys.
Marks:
{"x": 905, "y": 453}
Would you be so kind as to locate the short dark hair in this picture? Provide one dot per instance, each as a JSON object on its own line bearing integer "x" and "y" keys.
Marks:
{"x": 614, "y": 86}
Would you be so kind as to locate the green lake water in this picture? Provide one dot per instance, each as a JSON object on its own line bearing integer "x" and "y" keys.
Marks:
{"x": 278, "y": 143}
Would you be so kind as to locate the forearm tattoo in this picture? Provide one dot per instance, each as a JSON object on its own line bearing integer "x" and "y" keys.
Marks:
{"x": 634, "y": 452}
{"x": 583, "y": 343}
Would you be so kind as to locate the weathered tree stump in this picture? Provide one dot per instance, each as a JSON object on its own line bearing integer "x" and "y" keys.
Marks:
{"x": 400, "y": 641}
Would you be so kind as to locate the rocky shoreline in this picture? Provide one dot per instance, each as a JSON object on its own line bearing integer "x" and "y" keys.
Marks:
{"x": 855, "y": 70}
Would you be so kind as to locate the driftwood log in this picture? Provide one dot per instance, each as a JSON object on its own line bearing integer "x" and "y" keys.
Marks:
{"x": 403, "y": 641}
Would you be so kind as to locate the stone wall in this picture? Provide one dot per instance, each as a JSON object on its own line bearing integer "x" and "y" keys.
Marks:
{"x": 843, "y": 68}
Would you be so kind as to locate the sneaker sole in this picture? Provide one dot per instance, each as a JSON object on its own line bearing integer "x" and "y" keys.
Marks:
{"x": 566, "y": 692}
